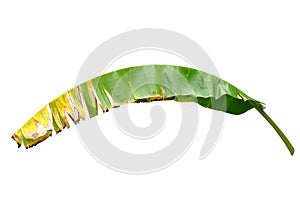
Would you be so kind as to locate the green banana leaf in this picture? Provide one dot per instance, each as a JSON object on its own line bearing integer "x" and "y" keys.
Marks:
{"x": 138, "y": 84}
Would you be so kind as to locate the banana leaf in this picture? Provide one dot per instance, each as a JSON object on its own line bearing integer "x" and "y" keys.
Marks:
{"x": 134, "y": 85}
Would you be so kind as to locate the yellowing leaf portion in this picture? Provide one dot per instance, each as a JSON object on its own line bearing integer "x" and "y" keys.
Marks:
{"x": 29, "y": 129}
{"x": 35, "y": 129}
{"x": 43, "y": 117}
{"x": 59, "y": 107}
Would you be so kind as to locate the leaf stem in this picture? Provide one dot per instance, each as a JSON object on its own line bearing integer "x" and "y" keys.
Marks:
{"x": 277, "y": 129}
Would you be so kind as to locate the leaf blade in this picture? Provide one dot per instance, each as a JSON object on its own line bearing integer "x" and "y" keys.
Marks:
{"x": 142, "y": 84}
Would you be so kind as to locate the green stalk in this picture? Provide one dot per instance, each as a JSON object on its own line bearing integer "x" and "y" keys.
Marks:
{"x": 277, "y": 129}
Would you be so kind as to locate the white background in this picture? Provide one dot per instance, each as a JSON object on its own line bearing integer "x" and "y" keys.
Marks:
{"x": 254, "y": 45}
